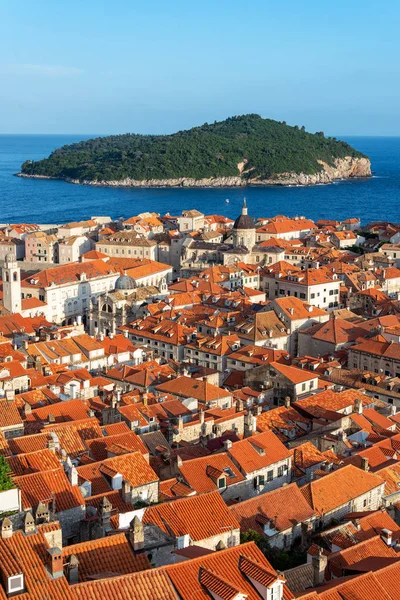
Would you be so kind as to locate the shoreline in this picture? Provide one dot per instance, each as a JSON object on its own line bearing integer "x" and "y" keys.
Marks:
{"x": 199, "y": 185}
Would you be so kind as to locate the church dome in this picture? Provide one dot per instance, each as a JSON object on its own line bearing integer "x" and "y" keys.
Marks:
{"x": 125, "y": 282}
{"x": 9, "y": 258}
{"x": 244, "y": 221}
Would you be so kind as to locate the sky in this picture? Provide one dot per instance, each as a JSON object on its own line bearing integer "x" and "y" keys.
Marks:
{"x": 95, "y": 66}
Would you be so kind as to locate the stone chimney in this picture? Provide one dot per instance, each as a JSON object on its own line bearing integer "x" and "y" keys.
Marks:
{"x": 364, "y": 463}
{"x": 257, "y": 410}
{"x": 180, "y": 423}
{"x": 27, "y": 409}
{"x": 287, "y": 401}
{"x": 387, "y": 536}
{"x": 72, "y": 569}
{"x": 42, "y": 514}
{"x": 239, "y": 405}
{"x": 319, "y": 563}
{"x": 227, "y": 445}
{"x": 358, "y": 407}
{"x": 126, "y": 491}
{"x": 29, "y": 523}
{"x": 6, "y": 529}
{"x": 104, "y": 511}
{"x": 136, "y": 534}
{"x": 73, "y": 475}
{"x": 54, "y": 563}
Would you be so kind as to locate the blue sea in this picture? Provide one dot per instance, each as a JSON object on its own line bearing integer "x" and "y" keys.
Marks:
{"x": 46, "y": 201}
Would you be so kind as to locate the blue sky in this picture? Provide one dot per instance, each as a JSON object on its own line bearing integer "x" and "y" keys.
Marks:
{"x": 154, "y": 67}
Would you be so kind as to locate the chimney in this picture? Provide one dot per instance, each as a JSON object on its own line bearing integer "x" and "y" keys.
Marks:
{"x": 104, "y": 511}
{"x": 27, "y": 409}
{"x": 239, "y": 405}
{"x": 136, "y": 534}
{"x": 54, "y": 562}
{"x": 6, "y": 529}
{"x": 387, "y": 536}
{"x": 72, "y": 569}
{"x": 364, "y": 463}
{"x": 319, "y": 563}
{"x": 72, "y": 390}
{"x": 358, "y": 407}
{"x": 227, "y": 445}
{"x": 29, "y": 523}
{"x": 126, "y": 491}
{"x": 201, "y": 416}
{"x": 73, "y": 476}
{"x": 287, "y": 401}
{"x": 180, "y": 423}
{"x": 179, "y": 462}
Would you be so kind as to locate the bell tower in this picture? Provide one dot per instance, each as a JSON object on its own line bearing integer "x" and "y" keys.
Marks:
{"x": 11, "y": 277}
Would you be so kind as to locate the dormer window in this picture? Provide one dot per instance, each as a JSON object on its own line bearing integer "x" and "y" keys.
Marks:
{"x": 222, "y": 483}
{"x": 15, "y": 584}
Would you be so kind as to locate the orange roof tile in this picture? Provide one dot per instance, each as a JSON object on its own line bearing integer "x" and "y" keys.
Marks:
{"x": 202, "y": 473}
{"x": 339, "y": 488}
{"x": 111, "y": 554}
{"x": 200, "y": 517}
{"x": 283, "y": 507}
{"x": 46, "y": 485}
{"x": 258, "y": 451}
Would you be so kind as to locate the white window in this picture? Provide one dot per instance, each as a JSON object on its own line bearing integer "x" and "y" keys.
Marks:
{"x": 15, "y": 583}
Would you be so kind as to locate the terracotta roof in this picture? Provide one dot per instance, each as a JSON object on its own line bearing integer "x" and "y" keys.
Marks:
{"x": 389, "y": 350}
{"x": 46, "y": 485}
{"x": 296, "y": 309}
{"x": 283, "y": 507}
{"x": 69, "y": 273}
{"x": 258, "y": 452}
{"x": 70, "y": 410}
{"x": 372, "y": 547}
{"x": 171, "y": 489}
{"x": 200, "y": 517}
{"x": 202, "y": 473}
{"x": 338, "y": 488}
{"x": 111, "y": 554}
{"x": 29, "y": 552}
{"x": 224, "y": 573}
{"x": 99, "y": 447}
{"x": 152, "y": 584}
{"x": 41, "y": 460}
{"x": 9, "y": 414}
{"x": 133, "y": 468}
{"x": 293, "y": 374}
{"x": 187, "y": 387}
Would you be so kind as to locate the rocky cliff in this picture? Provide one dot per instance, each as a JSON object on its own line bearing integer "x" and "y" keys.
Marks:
{"x": 343, "y": 168}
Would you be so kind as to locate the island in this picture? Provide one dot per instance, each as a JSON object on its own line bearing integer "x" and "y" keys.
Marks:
{"x": 239, "y": 151}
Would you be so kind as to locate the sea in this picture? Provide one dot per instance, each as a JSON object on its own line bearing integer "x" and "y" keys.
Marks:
{"x": 50, "y": 201}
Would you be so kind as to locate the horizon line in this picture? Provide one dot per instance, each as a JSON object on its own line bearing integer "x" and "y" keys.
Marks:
{"x": 337, "y": 135}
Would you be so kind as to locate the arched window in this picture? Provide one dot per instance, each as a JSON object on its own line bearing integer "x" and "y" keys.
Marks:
{"x": 15, "y": 276}
{"x": 7, "y": 276}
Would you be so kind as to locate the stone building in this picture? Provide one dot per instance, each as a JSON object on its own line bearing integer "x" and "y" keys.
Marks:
{"x": 116, "y": 308}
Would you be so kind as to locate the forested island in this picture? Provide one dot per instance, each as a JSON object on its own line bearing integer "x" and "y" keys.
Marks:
{"x": 242, "y": 150}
